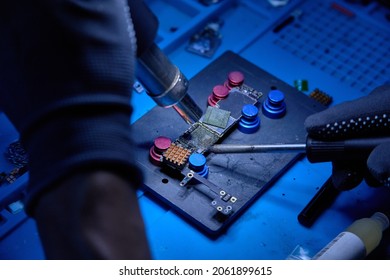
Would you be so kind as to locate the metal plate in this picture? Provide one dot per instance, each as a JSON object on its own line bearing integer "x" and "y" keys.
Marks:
{"x": 243, "y": 176}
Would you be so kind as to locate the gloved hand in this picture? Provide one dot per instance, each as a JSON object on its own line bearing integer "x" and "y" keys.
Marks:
{"x": 368, "y": 116}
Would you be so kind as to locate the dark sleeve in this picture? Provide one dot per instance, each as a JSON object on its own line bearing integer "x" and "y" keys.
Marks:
{"x": 66, "y": 75}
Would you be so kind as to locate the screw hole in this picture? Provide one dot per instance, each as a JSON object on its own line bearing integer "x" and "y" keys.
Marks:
{"x": 165, "y": 181}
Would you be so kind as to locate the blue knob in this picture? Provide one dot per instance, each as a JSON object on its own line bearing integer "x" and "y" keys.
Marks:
{"x": 274, "y": 106}
{"x": 197, "y": 163}
{"x": 250, "y": 121}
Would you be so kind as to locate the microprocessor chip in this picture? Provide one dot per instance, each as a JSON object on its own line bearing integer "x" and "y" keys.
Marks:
{"x": 199, "y": 137}
{"x": 216, "y": 117}
{"x": 321, "y": 97}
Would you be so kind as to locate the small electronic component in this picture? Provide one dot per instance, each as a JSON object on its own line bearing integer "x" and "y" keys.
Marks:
{"x": 302, "y": 85}
{"x": 138, "y": 87}
{"x": 206, "y": 41}
{"x": 321, "y": 97}
{"x": 198, "y": 137}
{"x": 15, "y": 207}
{"x": 216, "y": 117}
{"x": 15, "y": 174}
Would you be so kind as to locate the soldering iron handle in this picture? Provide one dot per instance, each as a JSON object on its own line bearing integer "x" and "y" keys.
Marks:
{"x": 351, "y": 149}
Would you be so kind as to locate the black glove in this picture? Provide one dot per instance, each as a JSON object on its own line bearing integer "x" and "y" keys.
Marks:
{"x": 368, "y": 116}
{"x": 66, "y": 75}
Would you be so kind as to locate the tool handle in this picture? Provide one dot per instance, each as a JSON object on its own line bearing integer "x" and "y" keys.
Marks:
{"x": 321, "y": 201}
{"x": 351, "y": 149}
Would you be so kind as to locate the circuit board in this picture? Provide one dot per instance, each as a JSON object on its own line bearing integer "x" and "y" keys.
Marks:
{"x": 234, "y": 181}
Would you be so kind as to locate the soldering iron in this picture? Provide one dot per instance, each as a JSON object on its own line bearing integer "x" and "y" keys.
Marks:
{"x": 166, "y": 84}
{"x": 162, "y": 80}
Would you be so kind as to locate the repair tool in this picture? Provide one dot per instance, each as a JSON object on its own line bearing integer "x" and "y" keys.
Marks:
{"x": 316, "y": 150}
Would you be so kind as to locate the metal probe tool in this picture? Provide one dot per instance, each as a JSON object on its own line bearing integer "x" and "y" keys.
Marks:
{"x": 316, "y": 150}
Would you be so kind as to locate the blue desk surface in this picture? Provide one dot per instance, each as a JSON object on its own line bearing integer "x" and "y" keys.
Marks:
{"x": 338, "y": 47}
